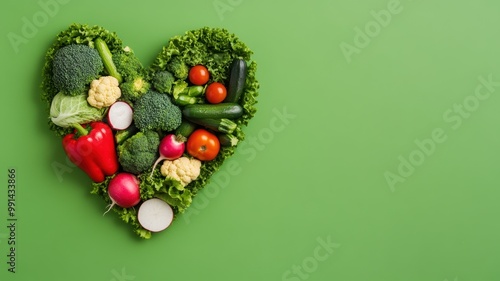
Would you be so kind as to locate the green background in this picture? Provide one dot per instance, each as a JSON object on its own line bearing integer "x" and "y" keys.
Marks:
{"x": 320, "y": 176}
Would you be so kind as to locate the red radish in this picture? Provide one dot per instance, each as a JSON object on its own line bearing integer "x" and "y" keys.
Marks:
{"x": 171, "y": 147}
{"x": 155, "y": 215}
{"x": 120, "y": 115}
{"x": 123, "y": 190}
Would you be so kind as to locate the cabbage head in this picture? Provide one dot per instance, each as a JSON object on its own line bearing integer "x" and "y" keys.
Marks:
{"x": 67, "y": 110}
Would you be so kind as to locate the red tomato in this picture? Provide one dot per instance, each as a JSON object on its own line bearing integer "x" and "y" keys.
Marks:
{"x": 215, "y": 93}
{"x": 203, "y": 145}
{"x": 198, "y": 75}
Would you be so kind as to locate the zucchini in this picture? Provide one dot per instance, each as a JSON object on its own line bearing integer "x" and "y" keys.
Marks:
{"x": 222, "y": 125}
{"x": 185, "y": 129}
{"x": 214, "y": 111}
{"x": 227, "y": 140}
{"x": 237, "y": 80}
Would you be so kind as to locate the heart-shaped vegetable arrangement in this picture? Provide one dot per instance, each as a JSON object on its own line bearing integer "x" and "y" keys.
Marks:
{"x": 149, "y": 138}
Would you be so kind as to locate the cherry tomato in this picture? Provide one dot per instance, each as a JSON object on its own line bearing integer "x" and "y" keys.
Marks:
{"x": 203, "y": 145}
{"x": 215, "y": 93}
{"x": 199, "y": 75}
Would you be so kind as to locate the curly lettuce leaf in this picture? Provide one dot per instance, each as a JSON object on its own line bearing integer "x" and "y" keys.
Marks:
{"x": 170, "y": 190}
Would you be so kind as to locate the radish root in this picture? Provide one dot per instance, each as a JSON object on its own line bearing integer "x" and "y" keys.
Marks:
{"x": 110, "y": 207}
{"x": 161, "y": 158}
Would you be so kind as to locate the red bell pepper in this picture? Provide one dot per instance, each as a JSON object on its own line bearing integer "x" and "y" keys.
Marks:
{"x": 92, "y": 150}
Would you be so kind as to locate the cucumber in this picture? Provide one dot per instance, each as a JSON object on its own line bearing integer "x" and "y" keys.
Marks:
{"x": 222, "y": 125}
{"x": 237, "y": 80}
{"x": 194, "y": 91}
{"x": 107, "y": 59}
{"x": 214, "y": 111}
{"x": 227, "y": 139}
{"x": 182, "y": 100}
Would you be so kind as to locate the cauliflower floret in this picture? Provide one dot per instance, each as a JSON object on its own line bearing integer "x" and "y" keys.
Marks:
{"x": 183, "y": 169}
{"x": 104, "y": 92}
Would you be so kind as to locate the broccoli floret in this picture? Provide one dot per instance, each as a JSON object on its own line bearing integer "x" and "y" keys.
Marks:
{"x": 74, "y": 67}
{"x": 123, "y": 135}
{"x": 134, "y": 76}
{"x": 138, "y": 153}
{"x": 178, "y": 68}
{"x": 135, "y": 88}
{"x": 128, "y": 65}
{"x": 155, "y": 111}
{"x": 163, "y": 81}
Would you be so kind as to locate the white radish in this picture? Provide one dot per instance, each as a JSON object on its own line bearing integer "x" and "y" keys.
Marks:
{"x": 155, "y": 215}
{"x": 120, "y": 115}
{"x": 124, "y": 191}
{"x": 171, "y": 147}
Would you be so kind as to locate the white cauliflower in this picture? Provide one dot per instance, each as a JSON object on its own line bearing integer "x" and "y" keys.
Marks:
{"x": 104, "y": 92}
{"x": 184, "y": 169}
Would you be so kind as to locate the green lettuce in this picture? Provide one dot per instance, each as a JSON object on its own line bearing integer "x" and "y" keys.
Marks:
{"x": 171, "y": 191}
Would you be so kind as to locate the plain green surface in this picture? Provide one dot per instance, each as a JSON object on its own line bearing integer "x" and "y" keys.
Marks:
{"x": 320, "y": 177}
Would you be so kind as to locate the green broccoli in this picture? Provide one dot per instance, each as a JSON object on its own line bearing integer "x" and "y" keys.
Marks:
{"x": 138, "y": 153}
{"x": 133, "y": 89}
{"x": 178, "y": 68}
{"x": 155, "y": 111}
{"x": 123, "y": 135}
{"x": 163, "y": 81}
{"x": 127, "y": 64}
{"x": 134, "y": 76}
{"x": 74, "y": 67}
